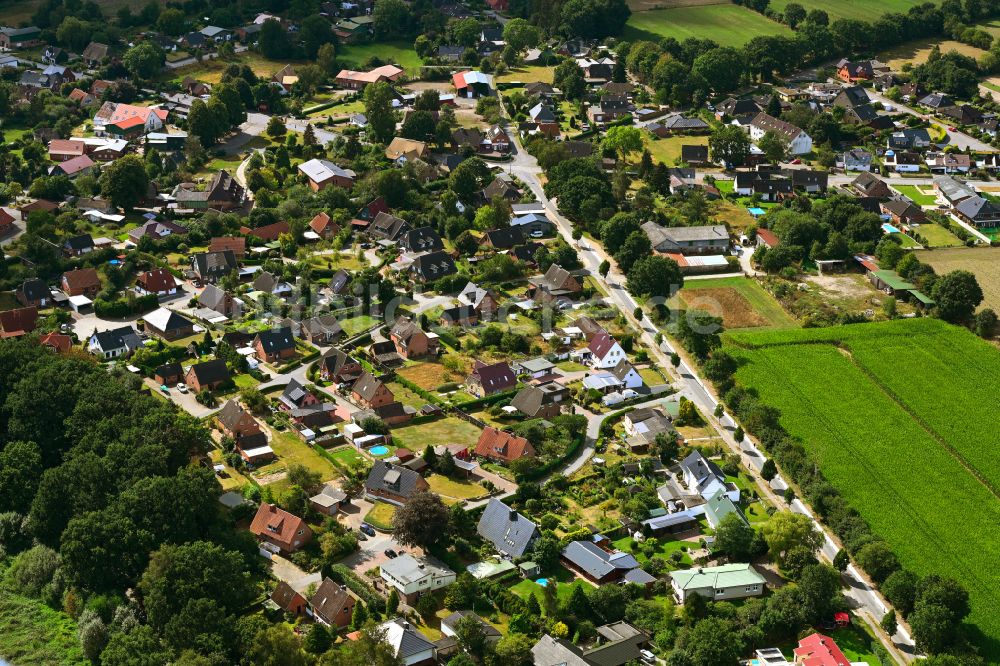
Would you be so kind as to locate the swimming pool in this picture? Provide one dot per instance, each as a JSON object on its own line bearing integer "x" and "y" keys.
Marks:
{"x": 378, "y": 450}
{"x": 889, "y": 229}
{"x": 542, "y": 581}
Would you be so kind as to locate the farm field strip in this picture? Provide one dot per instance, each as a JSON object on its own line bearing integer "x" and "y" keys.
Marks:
{"x": 862, "y": 10}
{"x": 905, "y": 483}
{"x": 727, "y": 24}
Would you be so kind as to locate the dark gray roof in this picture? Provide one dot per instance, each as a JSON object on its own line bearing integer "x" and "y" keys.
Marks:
{"x": 81, "y": 242}
{"x": 294, "y": 393}
{"x": 702, "y": 468}
{"x": 506, "y": 529}
{"x": 35, "y": 290}
{"x": 595, "y": 561}
{"x": 394, "y": 478}
{"x": 211, "y": 371}
{"x": 434, "y": 265}
{"x": 274, "y": 341}
{"x": 118, "y": 338}
{"x": 424, "y": 239}
{"x": 214, "y": 264}
{"x": 409, "y": 641}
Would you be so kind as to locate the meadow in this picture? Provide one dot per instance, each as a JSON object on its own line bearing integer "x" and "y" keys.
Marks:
{"x": 740, "y": 301}
{"x": 897, "y": 414}
{"x": 983, "y": 262}
{"x": 862, "y": 10}
{"x": 727, "y": 24}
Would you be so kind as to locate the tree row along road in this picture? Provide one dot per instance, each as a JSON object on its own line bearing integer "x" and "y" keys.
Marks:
{"x": 869, "y": 604}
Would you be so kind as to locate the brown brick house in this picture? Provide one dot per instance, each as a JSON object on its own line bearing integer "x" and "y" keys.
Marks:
{"x": 394, "y": 483}
{"x": 332, "y": 604}
{"x": 210, "y": 375}
{"x": 288, "y": 599}
{"x": 336, "y": 366}
{"x": 371, "y": 392}
{"x": 411, "y": 341}
{"x": 17, "y": 322}
{"x": 81, "y": 282}
{"x": 275, "y": 345}
{"x": 489, "y": 379}
{"x": 279, "y": 531}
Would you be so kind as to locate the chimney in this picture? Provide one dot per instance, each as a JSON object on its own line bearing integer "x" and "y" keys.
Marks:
{"x": 513, "y": 515}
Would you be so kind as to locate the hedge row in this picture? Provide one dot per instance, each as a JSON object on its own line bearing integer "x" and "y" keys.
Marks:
{"x": 121, "y": 308}
{"x": 552, "y": 465}
{"x": 339, "y": 573}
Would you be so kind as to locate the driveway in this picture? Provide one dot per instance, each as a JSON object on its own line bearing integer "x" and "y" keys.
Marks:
{"x": 372, "y": 551}
{"x": 185, "y": 401}
{"x": 296, "y": 578}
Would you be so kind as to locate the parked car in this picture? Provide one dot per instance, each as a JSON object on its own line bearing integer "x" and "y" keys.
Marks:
{"x": 368, "y": 529}
{"x": 537, "y": 233}
{"x": 182, "y": 388}
{"x": 390, "y": 553}
{"x": 647, "y": 657}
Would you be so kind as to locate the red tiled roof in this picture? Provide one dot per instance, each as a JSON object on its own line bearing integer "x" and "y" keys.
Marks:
{"x": 320, "y": 223}
{"x": 601, "y": 344}
{"x": 768, "y": 237}
{"x": 61, "y": 343}
{"x": 276, "y": 524}
{"x": 502, "y": 445}
{"x": 21, "y": 320}
{"x": 819, "y": 650}
{"x": 157, "y": 281}
{"x": 269, "y": 232}
{"x": 81, "y": 278}
{"x": 66, "y": 147}
{"x": 237, "y": 244}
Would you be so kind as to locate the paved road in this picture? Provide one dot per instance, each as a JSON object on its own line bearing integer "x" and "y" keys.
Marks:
{"x": 525, "y": 167}
{"x": 955, "y": 138}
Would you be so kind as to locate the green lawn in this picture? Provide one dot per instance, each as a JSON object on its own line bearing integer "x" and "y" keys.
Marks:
{"x": 358, "y": 324}
{"x": 651, "y": 376}
{"x": 668, "y": 150}
{"x": 243, "y": 381}
{"x": 727, "y": 24}
{"x": 905, "y": 241}
{"x": 32, "y": 634}
{"x": 938, "y": 236}
{"x": 664, "y": 549}
{"x": 762, "y": 302}
{"x": 565, "y": 583}
{"x": 348, "y": 456}
{"x": 354, "y": 56}
{"x": 862, "y": 10}
{"x": 457, "y": 489}
{"x": 381, "y": 515}
{"x": 571, "y": 366}
{"x": 291, "y": 449}
{"x": 915, "y": 193}
{"x": 533, "y": 74}
{"x": 447, "y": 430}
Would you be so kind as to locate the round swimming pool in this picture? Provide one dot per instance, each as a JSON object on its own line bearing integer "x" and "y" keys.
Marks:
{"x": 378, "y": 450}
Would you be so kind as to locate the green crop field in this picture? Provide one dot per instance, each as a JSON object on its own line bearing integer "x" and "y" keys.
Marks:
{"x": 863, "y": 10}
{"x": 727, "y": 24}
{"x": 897, "y": 415}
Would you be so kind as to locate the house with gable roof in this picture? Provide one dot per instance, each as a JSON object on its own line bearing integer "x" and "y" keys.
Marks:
{"x": 279, "y": 531}
{"x": 605, "y": 352}
{"x": 487, "y": 379}
{"x": 393, "y": 483}
{"x": 510, "y": 532}
{"x": 503, "y": 447}
{"x": 729, "y": 581}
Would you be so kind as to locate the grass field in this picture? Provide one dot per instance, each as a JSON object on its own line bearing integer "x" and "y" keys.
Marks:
{"x": 663, "y": 549}
{"x": 727, "y": 24}
{"x": 741, "y": 302}
{"x": 210, "y": 71}
{"x": 348, "y": 457}
{"x": 983, "y": 262}
{"x": 429, "y": 375}
{"x": 532, "y": 74}
{"x": 871, "y": 410}
{"x": 399, "y": 53}
{"x": 449, "y": 430}
{"x": 32, "y": 634}
{"x": 916, "y": 194}
{"x": 668, "y": 150}
{"x": 938, "y": 236}
{"x": 456, "y": 489}
{"x": 862, "y": 10}
{"x": 381, "y": 515}
{"x": 358, "y": 324}
{"x": 917, "y": 51}
{"x": 290, "y": 449}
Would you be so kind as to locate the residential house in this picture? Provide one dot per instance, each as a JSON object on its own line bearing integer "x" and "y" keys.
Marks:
{"x": 721, "y": 583}
{"x": 159, "y": 281}
{"x": 409, "y": 645}
{"x": 503, "y": 239}
{"x": 856, "y": 159}
{"x": 7, "y": 221}
{"x": 269, "y": 283}
{"x": 411, "y": 341}
{"x": 549, "y": 651}
{"x": 710, "y": 239}
{"x": 279, "y": 531}
{"x": 94, "y": 54}
{"x": 393, "y": 483}
{"x": 387, "y": 227}
{"x": 71, "y": 168}
{"x": 605, "y": 352}
{"x": 210, "y": 267}
{"x": 953, "y": 190}
{"x": 533, "y": 224}
{"x": 353, "y": 80}
{"x": 338, "y": 367}
{"x": 626, "y": 374}
{"x": 57, "y": 342}
{"x": 489, "y": 379}
{"x": 329, "y": 500}
{"x": 902, "y": 161}
{"x": 288, "y": 600}
{"x": 936, "y": 101}
{"x": 168, "y": 374}
{"x": 412, "y": 577}
{"x": 433, "y": 266}
{"x": 34, "y": 293}
{"x": 557, "y": 281}
{"x": 81, "y": 282}
{"x": 767, "y": 238}
{"x": 482, "y": 301}
{"x": 963, "y": 114}
{"x": 236, "y": 422}
{"x": 167, "y": 324}
{"x": 596, "y": 70}
{"x": 609, "y": 109}
{"x": 207, "y": 375}
{"x": 870, "y": 185}
{"x": 370, "y": 392}
{"x": 851, "y": 97}
{"x": 863, "y": 70}
{"x": 813, "y": 182}
{"x": 949, "y": 162}
{"x": 501, "y": 186}
{"x": 354, "y": 29}
{"x": 17, "y": 322}
{"x": 737, "y": 108}
{"x": 235, "y": 244}
{"x": 799, "y": 143}
{"x": 596, "y": 564}
{"x": 502, "y": 447}
{"x": 219, "y": 300}
{"x": 542, "y": 401}
{"x": 127, "y": 121}
{"x": 322, "y": 173}
{"x": 424, "y": 239}
{"x": 980, "y": 212}
{"x": 76, "y": 246}
{"x": 222, "y": 193}
{"x": 694, "y": 154}
{"x": 473, "y": 84}
{"x": 116, "y": 343}
{"x": 402, "y": 150}
{"x": 819, "y": 650}
{"x": 331, "y": 604}
{"x": 702, "y": 476}
{"x": 154, "y": 229}
{"x": 275, "y": 344}
{"x": 511, "y": 533}
{"x": 324, "y": 226}
{"x": 321, "y": 330}
{"x": 61, "y": 150}
{"x": 909, "y": 139}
